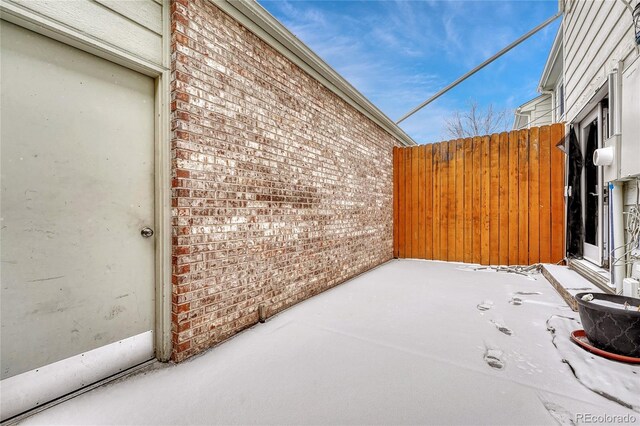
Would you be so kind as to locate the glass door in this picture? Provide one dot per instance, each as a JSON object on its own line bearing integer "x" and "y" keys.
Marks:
{"x": 592, "y": 191}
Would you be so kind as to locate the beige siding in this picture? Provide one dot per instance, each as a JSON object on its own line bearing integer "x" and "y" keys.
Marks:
{"x": 147, "y": 13}
{"x": 521, "y": 122}
{"x": 535, "y": 113}
{"x": 597, "y": 34}
{"x": 542, "y": 114}
{"x": 134, "y": 26}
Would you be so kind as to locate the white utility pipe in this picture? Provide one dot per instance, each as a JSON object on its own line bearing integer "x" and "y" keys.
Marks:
{"x": 616, "y": 222}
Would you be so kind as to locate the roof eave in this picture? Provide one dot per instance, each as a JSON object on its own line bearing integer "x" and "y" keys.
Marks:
{"x": 525, "y": 106}
{"x": 554, "y": 54}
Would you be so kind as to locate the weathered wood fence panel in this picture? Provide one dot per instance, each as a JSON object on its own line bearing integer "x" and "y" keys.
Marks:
{"x": 494, "y": 199}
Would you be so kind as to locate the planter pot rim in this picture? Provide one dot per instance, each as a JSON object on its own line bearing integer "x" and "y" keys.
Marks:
{"x": 611, "y": 298}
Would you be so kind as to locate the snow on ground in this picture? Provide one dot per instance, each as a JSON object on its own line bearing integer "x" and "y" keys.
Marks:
{"x": 412, "y": 341}
{"x": 614, "y": 380}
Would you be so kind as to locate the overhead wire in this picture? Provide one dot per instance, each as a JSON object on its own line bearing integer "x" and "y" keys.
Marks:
{"x": 479, "y": 67}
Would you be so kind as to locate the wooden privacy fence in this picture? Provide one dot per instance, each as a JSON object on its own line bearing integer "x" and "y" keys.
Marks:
{"x": 492, "y": 199}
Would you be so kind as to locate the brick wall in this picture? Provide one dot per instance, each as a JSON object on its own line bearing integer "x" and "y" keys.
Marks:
{"x": 281, "y": 189}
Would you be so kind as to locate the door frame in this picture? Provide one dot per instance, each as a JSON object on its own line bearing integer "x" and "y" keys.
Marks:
{"x": 162, "y": 150}
{"x": 593, "y": 253}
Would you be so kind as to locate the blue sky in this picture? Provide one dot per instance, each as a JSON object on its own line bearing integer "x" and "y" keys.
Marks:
{"x": 398, "y": 53}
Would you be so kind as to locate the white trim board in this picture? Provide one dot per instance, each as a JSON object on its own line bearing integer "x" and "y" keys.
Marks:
{"x": 40, "y": 24}
{"x": 37, "y": 387}
{"x": 163, "y": 196}
{"x": 598, "y": 94}
{"x": 257, "y": 20}
{"x": 556, "y": 48}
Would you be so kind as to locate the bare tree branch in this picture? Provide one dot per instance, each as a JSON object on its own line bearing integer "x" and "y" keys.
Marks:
{"x": 475, "y": 121}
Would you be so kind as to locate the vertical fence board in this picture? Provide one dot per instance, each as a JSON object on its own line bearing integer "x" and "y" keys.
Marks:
{"x": 412, "y": 203}
{"x": 534, "y": 196}
{"x": 415, "y": 195}
{"x": 437, "y": 191}
{"x": 451, "y": 235}
{"x": 459, "y": 191}
{"x": 557, "y": 198}
{"x": 407, "y": 205}
{"x": 396, "y": 192}
{"x": 468, "y": 200}
{"x": 444, "y": 201}
{"x": 503, "y": 196}
{"x": 428, "y": 196}
{"x": 485, "y": 186}
{"x": 513, "y": 198}
{"x": 422, "y": 228}
{"x": 415, "y": 181}
{"x": 523, "y": 197}
{"x": 477, "y": 191}
{"x": 407, "y": 195}
{"x": 492, "y": 199}
{"x": 545, "y": 194}
{"x": 494, "y": 206}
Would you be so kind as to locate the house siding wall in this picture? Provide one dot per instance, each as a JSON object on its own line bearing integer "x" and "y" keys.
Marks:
{"x": 542, "y": 114}
{"x": 135, "y": 26}
{"x": 534, "y": 114}
{"x": 280, "y": 189}
{"x": 597, "y": 34}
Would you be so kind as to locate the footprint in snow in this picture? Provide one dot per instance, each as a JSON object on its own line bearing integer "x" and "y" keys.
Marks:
{"x": 502, "y": 328}
{"x": 485, "y": 305}
{"x": 527, "y": 293}
{"x": 494, "y": 358}
{"x": 516, "y": 301}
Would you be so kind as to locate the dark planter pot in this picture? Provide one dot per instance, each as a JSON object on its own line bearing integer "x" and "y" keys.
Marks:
{"x": 611, "y": 329}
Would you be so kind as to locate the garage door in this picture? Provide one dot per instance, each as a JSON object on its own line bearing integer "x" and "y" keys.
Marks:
{"x": 77, "y": 177}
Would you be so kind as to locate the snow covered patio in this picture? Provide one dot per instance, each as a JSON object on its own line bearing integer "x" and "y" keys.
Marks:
{"x": 408, "y": 342}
